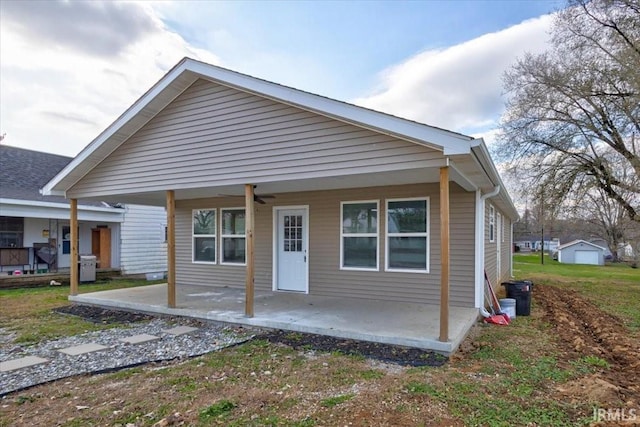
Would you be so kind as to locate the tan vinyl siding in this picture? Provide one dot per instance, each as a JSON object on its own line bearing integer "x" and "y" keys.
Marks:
{"x": 222, "y": 136}
{"x": 506, "y": 249}
{"x": 325, "y": 276}
{"x": 491, "y": 250}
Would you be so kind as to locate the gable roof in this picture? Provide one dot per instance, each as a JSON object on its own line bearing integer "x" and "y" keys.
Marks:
{"x": 188, "y": 71}
{"x": 23, "y": 172}
{"x": 575, "y": 242}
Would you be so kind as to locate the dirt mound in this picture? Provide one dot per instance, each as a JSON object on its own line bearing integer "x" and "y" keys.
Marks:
{"x": 584, "y": 329}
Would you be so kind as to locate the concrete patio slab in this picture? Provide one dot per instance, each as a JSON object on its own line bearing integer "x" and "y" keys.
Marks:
{"x": 408, "y": 324}
{"x": 23, "y": 362}
{"x": 139, "y": 339}
{"x": 82, "y": 349}
{"x": 179, "y": 330}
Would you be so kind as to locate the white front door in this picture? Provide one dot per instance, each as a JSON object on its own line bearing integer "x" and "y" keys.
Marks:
{"x": 291, "y": 249}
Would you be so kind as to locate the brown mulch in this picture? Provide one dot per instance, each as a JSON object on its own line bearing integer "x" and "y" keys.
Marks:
{"x": 100, "y": 315}
{"x": 404, "y": 356}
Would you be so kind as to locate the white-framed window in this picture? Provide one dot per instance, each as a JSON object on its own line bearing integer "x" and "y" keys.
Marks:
{"x": 504, "y": 227}
{"x": 233, "y": 245}
{"x": 492, "y": 223}
{"x": 204, "y": 236}
{"x": 407, "y": 247}
{"x": 359, "y": 228}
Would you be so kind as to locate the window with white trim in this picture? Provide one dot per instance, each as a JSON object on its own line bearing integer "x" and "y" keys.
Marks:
{"x": 232, "y": 234}
{"x": 504, "y": 227}
{"x": 204, "y": 235}
{"x": 359, "y": 235}
{"x": 492, "y": 223}
{"x": 407, "y": 247}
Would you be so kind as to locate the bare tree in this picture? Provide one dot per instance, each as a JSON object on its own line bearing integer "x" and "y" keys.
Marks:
{"x": 573, "y": 115}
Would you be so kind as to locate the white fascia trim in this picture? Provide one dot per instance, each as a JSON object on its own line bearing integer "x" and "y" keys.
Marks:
{"x": 137, "y": 107}
{"x": 38, "y": 203}
{"x": 449, "y": 142}
{"x": 440, "y": 139}
{"x": 460, "y": 178}
{"x": 482, "y": 155}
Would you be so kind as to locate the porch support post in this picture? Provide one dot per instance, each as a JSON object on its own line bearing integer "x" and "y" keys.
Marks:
{"x": 444, "y": 254}
{"x": 171, "y": 249}
{"x": 73, "y": 225}
{"x": 250, "y": 271}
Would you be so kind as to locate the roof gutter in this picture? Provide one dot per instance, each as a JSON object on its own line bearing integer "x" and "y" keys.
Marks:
{"x": 481, "y": 154}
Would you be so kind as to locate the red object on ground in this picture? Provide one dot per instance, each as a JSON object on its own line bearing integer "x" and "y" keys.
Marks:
{"x": 498, "y": 319}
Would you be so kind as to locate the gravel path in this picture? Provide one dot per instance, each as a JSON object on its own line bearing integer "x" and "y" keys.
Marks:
{"x": 207, "y": 338}
{"x": 210, "y": 336}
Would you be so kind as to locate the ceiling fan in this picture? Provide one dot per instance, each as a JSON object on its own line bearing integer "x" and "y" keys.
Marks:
{"x": 256, "y": 198}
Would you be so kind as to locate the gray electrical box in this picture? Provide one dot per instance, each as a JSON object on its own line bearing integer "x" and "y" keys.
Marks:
{"x": 87, "y": 268}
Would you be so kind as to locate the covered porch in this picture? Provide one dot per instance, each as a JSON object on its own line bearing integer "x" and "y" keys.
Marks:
{"x": 407, "y": 324}
{"x": 339, "y": 218}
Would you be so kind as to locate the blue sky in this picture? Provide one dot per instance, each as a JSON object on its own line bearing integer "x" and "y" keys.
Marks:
{"x": 68, "y": 69}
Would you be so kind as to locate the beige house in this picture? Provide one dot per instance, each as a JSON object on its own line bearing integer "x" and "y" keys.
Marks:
{"x": 274, "y": 189}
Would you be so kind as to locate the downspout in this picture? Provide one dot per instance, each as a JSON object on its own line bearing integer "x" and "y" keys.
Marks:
{"x": 480, "y": 201}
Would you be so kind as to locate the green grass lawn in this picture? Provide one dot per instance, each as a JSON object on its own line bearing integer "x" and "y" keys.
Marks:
{"x": 506, "y": 375}
{"x": 614, "y": 288}
{"x": 26, "y": 312}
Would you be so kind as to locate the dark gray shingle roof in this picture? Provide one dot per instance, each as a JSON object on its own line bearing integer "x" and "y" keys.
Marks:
{"x": 23, "y": 172}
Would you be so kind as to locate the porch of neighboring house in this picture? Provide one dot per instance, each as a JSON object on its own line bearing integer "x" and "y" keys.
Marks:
{"x": 407, "y": 324}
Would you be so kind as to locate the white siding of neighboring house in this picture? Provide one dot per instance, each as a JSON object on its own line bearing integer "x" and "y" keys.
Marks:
{"x": 35, "y": 228}
{"x": 143, "y": 248}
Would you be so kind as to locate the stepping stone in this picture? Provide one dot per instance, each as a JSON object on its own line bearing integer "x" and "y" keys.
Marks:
{"x": 23, "y": 362}
{"x": 82, "y": 349}
{"x": 139, "y": 339}
{"x": 179, "y": 330}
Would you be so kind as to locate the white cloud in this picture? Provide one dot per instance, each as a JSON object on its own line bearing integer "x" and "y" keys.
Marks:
{"x": 457, "y": 88}
{"x": 56, "y": 98}
{"x": 56, "y": 94}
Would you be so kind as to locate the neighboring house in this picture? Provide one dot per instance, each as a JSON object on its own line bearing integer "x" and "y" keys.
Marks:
{"x": 523, "y": 245}
{"x": 625, "y": 251}
{"x": 581, "y": 252}
{"x": 350, "y": 200}
{"x": 549, "y": 245}
{"x": 35, "y": 231}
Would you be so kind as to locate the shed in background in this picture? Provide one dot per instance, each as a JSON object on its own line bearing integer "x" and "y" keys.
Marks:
{"x": 581, "y": 252}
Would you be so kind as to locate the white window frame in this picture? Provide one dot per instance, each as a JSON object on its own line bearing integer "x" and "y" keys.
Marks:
{"x": 232, "y": 236}
{"x": 502, "y": 224}
{"x": 492, "y": 224}
{"x": 426, "y": 234}
{"x": 215, "y": 236}
{"x": 376, "y": 235}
